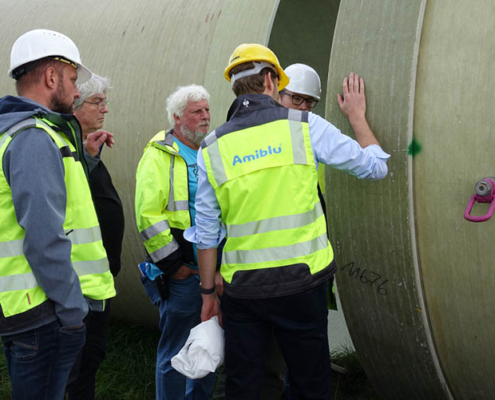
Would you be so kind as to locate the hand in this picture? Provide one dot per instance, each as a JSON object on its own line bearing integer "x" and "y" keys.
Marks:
{"x": 184, "y": 272}
{"x": 95, "y": 139}
{"x": 219, "y": 283}
{"x": 353, "y": 106}
{"x": 211, "y": 307}
{"x": 353, "y": 102}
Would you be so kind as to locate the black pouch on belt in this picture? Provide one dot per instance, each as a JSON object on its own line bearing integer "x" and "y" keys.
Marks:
{"x": 162, "y": 285}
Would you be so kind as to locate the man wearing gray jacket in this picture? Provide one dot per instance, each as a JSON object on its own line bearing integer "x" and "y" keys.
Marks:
{"x": 53, "y": 267}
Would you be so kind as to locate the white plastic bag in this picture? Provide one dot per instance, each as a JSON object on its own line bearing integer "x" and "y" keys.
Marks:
{"x": 203, "y": 351}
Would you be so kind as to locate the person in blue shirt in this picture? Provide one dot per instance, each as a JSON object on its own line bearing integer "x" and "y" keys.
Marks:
{"x": 277, "y": 260}
{"x": 166, "y": 184}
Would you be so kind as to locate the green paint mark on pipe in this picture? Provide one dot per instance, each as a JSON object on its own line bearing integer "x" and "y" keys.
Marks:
{"x": 414, "y": 148}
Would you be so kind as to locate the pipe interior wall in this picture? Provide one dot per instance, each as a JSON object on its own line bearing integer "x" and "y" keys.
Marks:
{"x": 303, "y": 34}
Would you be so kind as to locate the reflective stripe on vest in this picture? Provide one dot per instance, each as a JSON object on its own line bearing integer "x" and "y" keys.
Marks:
{"x": 154, "y": 230}
{"x": 77, "y": 236}
{"x": 91, "y": 267}
{"x": 11, "y": 249}
{"x": 83, "y": 236}
{"x": 173, "y": 205}
{"x": 18, "y": 282}
{"x": 217, "y": 164}
{"x": 275, "y": 224}
{"x": 28, "y": 123}
{"x": 164, "y": 251}
{"x": 276, "y": 253}
{"x": 28, "y": 280}
{"x": 182, "y": 205}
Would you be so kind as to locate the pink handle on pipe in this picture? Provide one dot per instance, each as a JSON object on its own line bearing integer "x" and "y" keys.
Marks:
{"x": 485, "y": 198}
{"x": 478, "y": 218}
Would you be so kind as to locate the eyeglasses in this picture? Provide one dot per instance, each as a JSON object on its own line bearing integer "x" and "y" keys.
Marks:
{"x": 99, "y": 104}
{"x": 298, "y": 100}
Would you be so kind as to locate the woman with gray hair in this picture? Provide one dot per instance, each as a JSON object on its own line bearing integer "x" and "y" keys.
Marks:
{"x": 90, "y": 110}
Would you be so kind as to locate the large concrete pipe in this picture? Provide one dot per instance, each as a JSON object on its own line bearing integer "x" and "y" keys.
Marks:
{"x": 147, "y": 49}
{"x": 415, "y": 277}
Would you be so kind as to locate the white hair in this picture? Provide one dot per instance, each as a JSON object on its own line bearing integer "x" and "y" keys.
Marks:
{"x": 177, "y": 101}
{"x": 94, "y": 85}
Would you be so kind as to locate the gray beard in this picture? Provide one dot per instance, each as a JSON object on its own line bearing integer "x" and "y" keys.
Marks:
{"x": 195, "y": 137}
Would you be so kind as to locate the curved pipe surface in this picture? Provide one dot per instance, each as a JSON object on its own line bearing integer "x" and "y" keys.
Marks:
{"x": 414, "y": 277}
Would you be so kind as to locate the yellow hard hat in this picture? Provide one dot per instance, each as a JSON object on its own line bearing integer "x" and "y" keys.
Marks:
{"x": 249, "y": 52}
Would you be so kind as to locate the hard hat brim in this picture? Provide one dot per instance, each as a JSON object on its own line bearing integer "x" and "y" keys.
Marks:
{"x": 83, "y": 74}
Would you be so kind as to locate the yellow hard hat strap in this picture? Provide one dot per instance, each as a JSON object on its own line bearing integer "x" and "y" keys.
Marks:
{"x": 258, "y": 66}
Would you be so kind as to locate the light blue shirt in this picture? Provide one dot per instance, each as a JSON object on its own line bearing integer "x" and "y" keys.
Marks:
{"x": 329, "y": 146}
{"x": 190, "y": 157}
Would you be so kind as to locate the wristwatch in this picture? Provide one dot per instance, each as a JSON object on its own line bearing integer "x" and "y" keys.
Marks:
{"x": 202, "y": 290}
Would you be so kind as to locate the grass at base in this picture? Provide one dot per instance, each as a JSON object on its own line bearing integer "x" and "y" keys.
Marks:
{"x": 5, "y": 386}
{"x": 128, "y": 372}
{"x": 353, "y": 385}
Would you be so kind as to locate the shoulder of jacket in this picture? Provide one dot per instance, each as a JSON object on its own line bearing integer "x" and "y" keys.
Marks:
{"x": 163, "y": 140}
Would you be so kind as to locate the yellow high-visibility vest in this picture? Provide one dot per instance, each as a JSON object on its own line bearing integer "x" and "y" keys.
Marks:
{"x": 265, "y": 182}
{"x": 19, "y": 289}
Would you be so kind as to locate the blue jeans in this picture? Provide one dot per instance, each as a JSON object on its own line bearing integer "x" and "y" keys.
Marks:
{"x": 40, "y": 360}
{"x": 178, "y": 315}
{"x": 82, "y": 379}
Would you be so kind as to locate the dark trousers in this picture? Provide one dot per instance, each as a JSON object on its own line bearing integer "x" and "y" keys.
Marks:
{"x": 39, "y": 360}
{"x": 82, "y": 379}
{"x": 274, "y": 372}
{"x": 299, "y": 322}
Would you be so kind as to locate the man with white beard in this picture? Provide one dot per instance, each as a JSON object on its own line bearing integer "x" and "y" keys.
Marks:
{"x": 166, "y": 184}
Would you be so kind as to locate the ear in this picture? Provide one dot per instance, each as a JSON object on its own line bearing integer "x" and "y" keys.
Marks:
{"x": 51, "y": 78}
{"x": 270, "y": 88}
{"x": 176, "y": 119}
{"x": 268, "y": 83}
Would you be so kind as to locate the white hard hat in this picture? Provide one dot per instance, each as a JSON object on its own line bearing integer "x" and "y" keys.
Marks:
{"x": 303, "y": 80}
{"x": 40, "y": 43}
